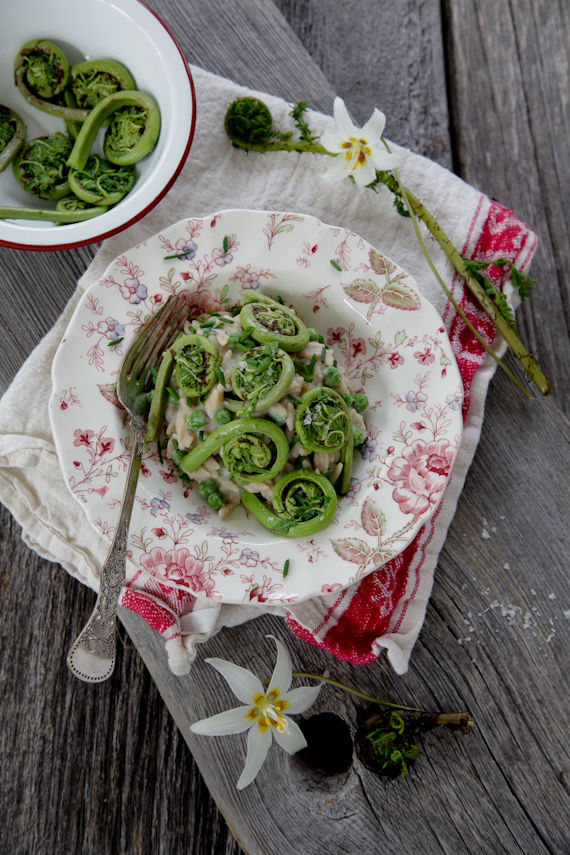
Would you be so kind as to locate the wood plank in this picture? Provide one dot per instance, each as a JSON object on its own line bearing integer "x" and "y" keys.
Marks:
{"x": 498, "y": 788}
{"x": 508, "y": 63}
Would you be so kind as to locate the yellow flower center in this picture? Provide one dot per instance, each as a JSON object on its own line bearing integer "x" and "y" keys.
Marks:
{"x": 266, "y": 710}
{"x": 357, "y": 151}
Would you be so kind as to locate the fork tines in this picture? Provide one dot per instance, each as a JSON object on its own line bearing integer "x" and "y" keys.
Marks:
{"x": 157, "y": 334}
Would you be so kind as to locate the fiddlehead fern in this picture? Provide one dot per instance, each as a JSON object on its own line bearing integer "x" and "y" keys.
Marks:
{"x": 246, "y": 454}
{"x": 93, "y": 80}
{"x": 268, "y": 321}
{"x": 197, "y": 362}
{"x": 70, "y": 209}
{"x": 323, "y": 422}
{"x": 261, "y": 379}
{"x": 40, "y": 166}
{"x": 132, "y": 132}
{"x": 101, "y": 182}
{"x": 12, "y": 135}
{"x": 304, "y": 502}
{"x": 41, "y": 72}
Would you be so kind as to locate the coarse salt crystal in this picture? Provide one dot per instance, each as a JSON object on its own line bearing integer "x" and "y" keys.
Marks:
{"x": 533, "y": 592}
{"x": 485, "y": 534}
{"x": 507, "y": 566}
{"x": 567, "y": 614}
{"x": 552, "y": 596}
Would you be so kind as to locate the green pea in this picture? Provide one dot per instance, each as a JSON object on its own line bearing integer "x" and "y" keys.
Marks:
{"x": 216, "y": 500}
{"x": 357, "y": 436}
{"x": 332, "y": 376}
{"x": 196, "y": 420}
{"x": 223, "y": 416}
{"x": 360, "y": 402}
{"x": 347, "y": 398}
{"x": 314, "y": 336}
{"x": 206, "y": 488}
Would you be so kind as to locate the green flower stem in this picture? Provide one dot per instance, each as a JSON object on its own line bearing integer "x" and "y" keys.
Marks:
{"x": 9, "y": 118}
{"x": 457, "y": 718}
{"x": 242, "y": 459}
{"x": 448, "y": 294}
{"x": 61, "y": 217}
{"x": 508, "y": 333}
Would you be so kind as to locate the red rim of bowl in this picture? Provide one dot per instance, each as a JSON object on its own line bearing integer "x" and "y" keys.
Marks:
{"x": 162, "y": 193}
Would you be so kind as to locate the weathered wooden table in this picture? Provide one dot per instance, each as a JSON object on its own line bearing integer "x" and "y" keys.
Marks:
{"x": 481, "y": 87}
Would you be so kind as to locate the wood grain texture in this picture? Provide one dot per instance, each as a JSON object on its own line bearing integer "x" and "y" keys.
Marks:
{"x": 377, "y": 53}
{"x": 508, "y": 71}
{"x": 68, "y": 783}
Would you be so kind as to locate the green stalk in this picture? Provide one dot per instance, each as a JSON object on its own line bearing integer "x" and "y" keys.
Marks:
{"x": 447, "y": 292}
{"x": 510, "y": 336}
{"x": 61, "y": 217}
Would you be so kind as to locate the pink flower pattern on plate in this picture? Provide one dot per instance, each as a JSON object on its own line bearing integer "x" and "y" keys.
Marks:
{"x": 420, "y": 474}
{"x": 179, "y": 566}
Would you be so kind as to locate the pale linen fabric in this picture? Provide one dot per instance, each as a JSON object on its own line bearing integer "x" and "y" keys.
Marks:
{"x": 217, "y": 177}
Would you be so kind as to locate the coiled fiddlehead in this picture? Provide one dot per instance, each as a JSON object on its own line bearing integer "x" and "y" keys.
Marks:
{"x": 261, "y": 379}
{"x": 245, "y": 453}
{"x": 132, "y": 132}
{"x": 101, "y": 182}
{"x": 304, "y": 502}
{"x": 41, "y": 166}
{"x": 267, "y": 321}
{"x": 12, "y": 135}
{"x": 322, "y": 421}
{"x": 197, "y": 362}
{"x": 93, "y": 80}
{"x": 41, "y": 72}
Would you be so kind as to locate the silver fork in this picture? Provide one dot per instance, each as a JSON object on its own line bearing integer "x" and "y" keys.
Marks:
{"x": 92, "y": 656}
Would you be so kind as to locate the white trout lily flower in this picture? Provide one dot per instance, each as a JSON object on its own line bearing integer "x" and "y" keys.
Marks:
{"x": 360, "y": 151}
{"x": 264, "y": 711}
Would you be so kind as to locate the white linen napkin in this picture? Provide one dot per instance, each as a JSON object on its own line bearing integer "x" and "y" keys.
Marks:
{"x": 217, "y": 177}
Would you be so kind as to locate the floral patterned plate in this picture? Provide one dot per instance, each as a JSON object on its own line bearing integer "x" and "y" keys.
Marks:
{"x": 391, "y": 341}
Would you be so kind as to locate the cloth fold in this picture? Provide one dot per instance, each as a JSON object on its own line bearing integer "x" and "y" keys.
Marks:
{"x": 387, "y": 608}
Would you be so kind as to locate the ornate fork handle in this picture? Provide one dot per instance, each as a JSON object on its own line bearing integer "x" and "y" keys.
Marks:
{"x": 92, "y": 657}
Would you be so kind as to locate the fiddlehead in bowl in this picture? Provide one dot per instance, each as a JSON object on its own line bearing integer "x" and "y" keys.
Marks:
{"x": 40, "y": 166}
{"x": 41, "y": 72}
{"x": 247, "y": 454}
{"x": 322, "y": 421}
{"x": 197, "y": 362}
{"x": 261, "y": 379}
{"x": 70, "y": 209}
{"x": 304, "y": 502}
{"x": 131, "y": 134}
{"x": 101, "y": 182}
{"x": 93, "y": 80}
{"x": 267, "y": 320}
{"x": 12, "y": 135}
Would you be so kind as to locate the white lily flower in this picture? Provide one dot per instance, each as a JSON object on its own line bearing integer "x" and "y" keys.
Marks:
{"x": 263, "y": 713}
{"x": 362, "y": 148}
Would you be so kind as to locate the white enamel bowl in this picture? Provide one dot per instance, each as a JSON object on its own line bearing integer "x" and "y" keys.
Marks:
{"x": 123, "y": 30}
